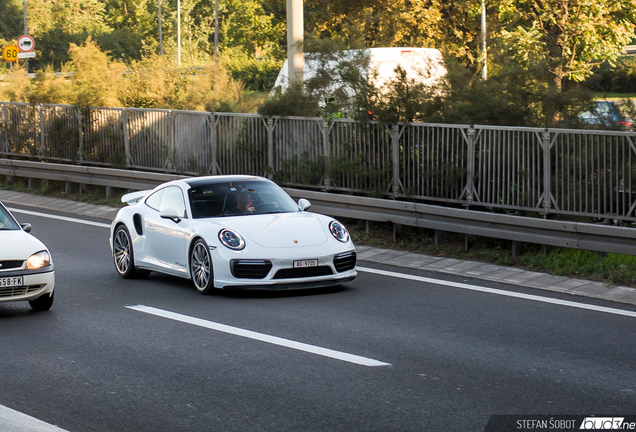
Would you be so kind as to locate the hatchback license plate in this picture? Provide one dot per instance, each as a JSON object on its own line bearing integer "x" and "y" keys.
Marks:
{"x": 14, "y": 281}
{"x": 306, "y": 263}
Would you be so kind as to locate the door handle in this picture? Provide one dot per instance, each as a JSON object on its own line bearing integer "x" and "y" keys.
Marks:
{"x": 151, "y": 227}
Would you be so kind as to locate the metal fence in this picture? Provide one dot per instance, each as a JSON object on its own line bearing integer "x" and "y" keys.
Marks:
{"x": 544, "y": 171}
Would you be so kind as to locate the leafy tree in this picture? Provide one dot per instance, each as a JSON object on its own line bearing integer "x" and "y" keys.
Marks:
{"x": 96, "y": 80}
{"x": 11, "y": 20}
{"x": 376, "y": 22}
{"x": 248, "y": 25}
{"x": 257, "y": 74}
{"x": 74, "y": 16}
{"x": 569, "y": 36}
{"x": 197, "y": 29}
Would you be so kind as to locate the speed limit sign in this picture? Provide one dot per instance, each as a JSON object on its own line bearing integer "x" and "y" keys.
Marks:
{"x": 10, "y": 53}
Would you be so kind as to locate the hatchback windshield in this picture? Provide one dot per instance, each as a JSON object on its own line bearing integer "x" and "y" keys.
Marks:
{"x": 239, "y": 198}
{"x": 6, "y": 221}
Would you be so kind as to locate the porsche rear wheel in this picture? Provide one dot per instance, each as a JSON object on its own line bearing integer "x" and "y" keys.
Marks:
{"x": 123, "y": 255}
{"x": 201, "y": 267}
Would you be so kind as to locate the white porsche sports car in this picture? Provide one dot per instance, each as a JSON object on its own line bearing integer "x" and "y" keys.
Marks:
{"x": 230, "y": 232}
{"x": 26, "y": 268}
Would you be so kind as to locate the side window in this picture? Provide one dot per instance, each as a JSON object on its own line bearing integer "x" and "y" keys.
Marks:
{"x": 173, "y": 198}
{"x": 154, "y": 200}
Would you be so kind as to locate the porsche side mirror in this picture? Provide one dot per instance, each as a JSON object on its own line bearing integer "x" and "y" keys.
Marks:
{"x": 26, "y": 227}
{"x": 171, "y": 214}
{"x": 304, "y": 204}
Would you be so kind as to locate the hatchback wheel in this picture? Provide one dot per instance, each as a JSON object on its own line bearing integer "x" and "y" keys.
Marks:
{"x": 42, "y": 303}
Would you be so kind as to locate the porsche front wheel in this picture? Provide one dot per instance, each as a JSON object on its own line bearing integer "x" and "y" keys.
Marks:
{"x": 123, "y": 255}
{"x": 201, "y": 267}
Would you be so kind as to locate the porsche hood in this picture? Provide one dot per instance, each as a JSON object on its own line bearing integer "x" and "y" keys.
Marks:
{"x": 280, "y": 230}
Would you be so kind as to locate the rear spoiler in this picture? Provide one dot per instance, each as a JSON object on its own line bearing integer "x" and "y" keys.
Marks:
{"x": 134, "y": 197}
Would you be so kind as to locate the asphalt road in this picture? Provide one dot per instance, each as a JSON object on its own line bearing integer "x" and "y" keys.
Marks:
{"x": 383, "y": 353}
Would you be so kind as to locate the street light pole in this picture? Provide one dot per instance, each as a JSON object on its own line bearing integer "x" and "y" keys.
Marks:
{"x": 178, "y": 32}
{"x": 160, "y": 35}
{"x": 484, "y": 70}
{"x": 216, "y": 30}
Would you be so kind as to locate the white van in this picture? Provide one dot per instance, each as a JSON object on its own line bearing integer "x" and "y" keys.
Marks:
{"x": 421, "y": 64}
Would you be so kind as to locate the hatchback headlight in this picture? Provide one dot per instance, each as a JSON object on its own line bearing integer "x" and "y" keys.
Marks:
{"x": 339, "y": 231}
{"x": 38, "y": 260}
{"x": 231, "y": 239}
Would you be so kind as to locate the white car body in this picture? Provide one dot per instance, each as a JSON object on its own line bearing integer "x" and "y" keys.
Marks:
{"x": 21, "y": 277}
{"x": 298, "y": 245}
{"x": 423, "y": 65}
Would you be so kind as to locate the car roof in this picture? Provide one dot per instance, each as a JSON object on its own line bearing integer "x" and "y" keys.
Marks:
{"x": 197, "y": 181}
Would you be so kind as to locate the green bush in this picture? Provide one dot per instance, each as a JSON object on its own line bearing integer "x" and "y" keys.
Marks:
{"x": 256, "y": 74}
{"x": 293, "y": 102}
{"x": 617, "y": 78}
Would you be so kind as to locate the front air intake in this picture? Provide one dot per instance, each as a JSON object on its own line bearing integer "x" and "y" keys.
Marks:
{"x": 250, "y": 269}
{"x": 344, "y": 262}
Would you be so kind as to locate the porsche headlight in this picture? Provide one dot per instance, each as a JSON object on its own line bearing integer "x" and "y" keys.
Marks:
{"x": 38, "y": 260}
{"x": 339, "y": 231}
{"x": 231, "y": 239}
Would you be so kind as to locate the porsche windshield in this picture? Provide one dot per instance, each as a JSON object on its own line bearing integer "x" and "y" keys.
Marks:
{"x": 6, "y": 221}
{"x": 239, "y": 198}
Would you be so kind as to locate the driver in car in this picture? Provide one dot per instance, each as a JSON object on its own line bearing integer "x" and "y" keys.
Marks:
{"x": 244, "y": 203}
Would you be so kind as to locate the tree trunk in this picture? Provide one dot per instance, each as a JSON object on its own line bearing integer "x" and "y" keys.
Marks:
{"x": 555, "y": 74}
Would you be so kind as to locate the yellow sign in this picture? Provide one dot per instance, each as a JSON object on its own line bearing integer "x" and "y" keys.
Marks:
{"x": 10, "y": 53}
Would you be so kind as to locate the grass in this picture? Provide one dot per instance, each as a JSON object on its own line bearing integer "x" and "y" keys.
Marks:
{"x": 612, "y": 269}
{"x": 89, "y": 194}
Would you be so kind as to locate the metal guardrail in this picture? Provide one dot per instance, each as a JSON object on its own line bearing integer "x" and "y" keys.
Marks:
{"x": 125, "y": 179}
{"x": 587, "y": 173}
{"x": 600, "y": 238}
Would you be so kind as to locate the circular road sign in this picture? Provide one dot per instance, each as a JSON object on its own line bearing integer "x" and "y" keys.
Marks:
{"x": 26, "y": 43}
{"x": 10, "y": 53}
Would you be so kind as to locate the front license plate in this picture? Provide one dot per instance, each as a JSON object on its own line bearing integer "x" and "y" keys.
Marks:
{"x": 306, "y": 263}
{"x": 14, "y": 281}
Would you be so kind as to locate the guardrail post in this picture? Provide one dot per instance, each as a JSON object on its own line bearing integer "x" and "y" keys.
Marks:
{"x": 127, "y": 155}
{"x": 42, "y": 149}
{"x": 213, "y": 168}
{"x": 169, "y": 163}
{"x": 547, "y": 189}
{"x": 395, "y": 133}
{"x": 80, "y": 135}
{"x": 471, "y": 165}
{"x": 5, "y": 129}
{"x": 269, "y": 124}
{"x": 326, "y": 152}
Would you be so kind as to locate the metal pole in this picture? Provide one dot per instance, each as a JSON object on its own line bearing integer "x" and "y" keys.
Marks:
{"x": 160, "y": 35}
{"x": 26, "y": 31}
{"x": 178, "y": 32}
{"x": 216, "y": 30}
{"x": 484, "y": 71}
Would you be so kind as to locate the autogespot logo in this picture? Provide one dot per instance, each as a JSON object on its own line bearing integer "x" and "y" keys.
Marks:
{"x": 606, "y": 423}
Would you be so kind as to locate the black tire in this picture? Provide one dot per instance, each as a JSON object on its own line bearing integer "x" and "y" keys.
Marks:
{"x": 42, "y": 303}
{"x": 201, "y": 270}
{"x": 123, "y": 255}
